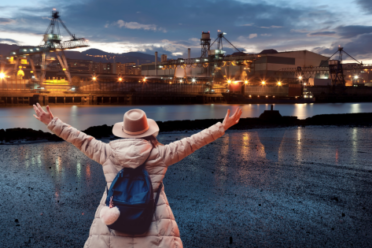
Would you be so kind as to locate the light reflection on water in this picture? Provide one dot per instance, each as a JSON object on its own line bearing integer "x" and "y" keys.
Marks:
{"x": 83, "y": 117}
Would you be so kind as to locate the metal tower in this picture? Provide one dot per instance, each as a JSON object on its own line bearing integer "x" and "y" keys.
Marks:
{"x": 205, "y": 43}
{"x": 219, "y": 39}
{"x": 52, "y": 42}
{"x": 336, "y": 71}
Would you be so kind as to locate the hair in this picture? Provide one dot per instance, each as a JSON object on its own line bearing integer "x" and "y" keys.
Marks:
{"x": 153, "y": 140}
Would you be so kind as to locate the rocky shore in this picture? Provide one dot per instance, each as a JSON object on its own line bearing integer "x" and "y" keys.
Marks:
{"x": 268, "y": 119}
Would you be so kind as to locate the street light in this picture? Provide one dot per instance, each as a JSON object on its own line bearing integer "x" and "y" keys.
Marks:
{"x": 300, "y": 77}
{"x": 120, "y": 79}
{"x": 2, "y": 75}
{"x": 229, "y": 81}
{"x": 279, "y": 83}
{"x": 263, "y": 82}
{"x": 356, "y": 77}
{"x": 246, "y": 81}
{"x": 94, "y": 78}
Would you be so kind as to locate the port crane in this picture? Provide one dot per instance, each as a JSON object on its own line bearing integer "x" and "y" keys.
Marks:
{"x": 336, "y": 70}
{"x": 52, "y": 42}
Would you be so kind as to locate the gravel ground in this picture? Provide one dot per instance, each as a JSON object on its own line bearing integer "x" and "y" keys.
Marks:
{"x": 278, "y": 187}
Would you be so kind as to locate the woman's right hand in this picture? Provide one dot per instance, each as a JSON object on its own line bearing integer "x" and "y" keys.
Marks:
{"x": 230, "y": 121}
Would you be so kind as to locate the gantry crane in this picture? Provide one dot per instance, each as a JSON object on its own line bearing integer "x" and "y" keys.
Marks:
{"x": 336, "y": 70}
{"x": 52, "y": 42}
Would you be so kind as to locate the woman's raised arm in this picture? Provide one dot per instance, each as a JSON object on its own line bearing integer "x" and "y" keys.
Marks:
{"x": 91, "y": 147}
{"x": 178, "y": 150}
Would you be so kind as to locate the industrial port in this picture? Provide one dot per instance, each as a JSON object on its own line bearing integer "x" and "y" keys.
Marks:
{"x": 44, "y": 74}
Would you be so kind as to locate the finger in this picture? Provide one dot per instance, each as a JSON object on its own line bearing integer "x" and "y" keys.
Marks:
{"x": 50, "y": 112}
{"x": 227, "y": 114}
{"x": 40, "y": 108}
{"x": 37, "y": 117}
{"x": 236, "y": 111}
{"x": 36, "y": 109}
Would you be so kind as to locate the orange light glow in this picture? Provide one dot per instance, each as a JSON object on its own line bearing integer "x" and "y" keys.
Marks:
{"x": 236, "y": 82}
{"x": 246, "y": 81}
{"x": 263, "y": 82}
{"x": 229, "y": 81}
{"x": 120, "y": 79}
{"x": 279, "y": 83}
{"x": 94, "y": 78}
{"x": 2, "y": 75}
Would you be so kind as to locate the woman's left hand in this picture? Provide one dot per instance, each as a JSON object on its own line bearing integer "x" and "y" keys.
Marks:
{"x": 41, "y": 115}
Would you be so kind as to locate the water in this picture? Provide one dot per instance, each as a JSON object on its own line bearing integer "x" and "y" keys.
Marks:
{"x": 83, "y": 117}
{"x": 277, "y": 187}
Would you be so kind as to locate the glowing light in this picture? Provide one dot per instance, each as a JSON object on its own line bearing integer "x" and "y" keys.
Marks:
{"x": 31, "y": 71}
{"x": 144, "y": 80}
{"x": 356, "y": 77}
{"x": 229, "y": 81}
{"x": 263, "y": 82}
{"x": 236, "y": 82}
{"x": 300, "y": 77}
{"x": 250, "y": 96}
{"x": 94, "y": 78}
{"x": 279, "y": 83}
{"x": 267, "y": 96}
{"x": 64, "y": 69}
{"x": 2, "y": 75}
{"x": 120, "y": 79}
{"x": 246, "y": 81}
{"x": 193, "y": 80}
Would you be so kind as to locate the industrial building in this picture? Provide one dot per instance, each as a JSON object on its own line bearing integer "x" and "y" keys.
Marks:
{"x": 267, "y": 64}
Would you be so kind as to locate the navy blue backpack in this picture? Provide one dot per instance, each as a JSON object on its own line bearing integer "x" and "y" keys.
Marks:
{"x": 131, "y": 191}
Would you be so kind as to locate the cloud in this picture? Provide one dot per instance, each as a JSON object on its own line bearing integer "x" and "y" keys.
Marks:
{"x": 177, "y": 54}
{"x": 247, "y": 25}
{"x": 323, "y": 33}
{"x": 299, "y": 31}
{"x": 359, "y": 47}
{"x": 8, "y": 41}
{"x": 251, "y": 36}
{"x": 366, "y": 5}
{"x": 266, "y": 35}
{"x": 136, "y": 25}
{"x": 6, "y": 21}
{"x": 353, "y": 30}
{"x": 271, "y": 26}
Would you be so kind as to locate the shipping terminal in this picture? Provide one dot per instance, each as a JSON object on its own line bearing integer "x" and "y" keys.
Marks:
{"x": 45, "y": 74}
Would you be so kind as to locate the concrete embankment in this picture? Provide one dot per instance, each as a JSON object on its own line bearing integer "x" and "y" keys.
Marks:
{"x": 269, "y": 118}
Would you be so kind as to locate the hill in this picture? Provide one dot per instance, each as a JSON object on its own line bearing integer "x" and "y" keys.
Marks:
{"x": 93, "y": 54}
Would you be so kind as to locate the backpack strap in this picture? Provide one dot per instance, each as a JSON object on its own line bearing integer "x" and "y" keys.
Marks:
{"x": 157, "y": 196}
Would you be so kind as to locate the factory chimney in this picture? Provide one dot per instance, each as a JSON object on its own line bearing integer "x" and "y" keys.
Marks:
{"x": 156, "y": 63}
{"x": 189, "y": 53}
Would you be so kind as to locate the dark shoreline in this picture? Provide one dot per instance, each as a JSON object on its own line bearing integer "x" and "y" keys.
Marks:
{"x": 269, "y": 119}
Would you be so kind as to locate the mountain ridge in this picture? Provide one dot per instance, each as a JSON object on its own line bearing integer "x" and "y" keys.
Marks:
{"x": 93, "y": 54}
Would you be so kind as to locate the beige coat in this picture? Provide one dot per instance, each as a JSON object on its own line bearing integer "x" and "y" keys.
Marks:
{"x": 132, "y": 153}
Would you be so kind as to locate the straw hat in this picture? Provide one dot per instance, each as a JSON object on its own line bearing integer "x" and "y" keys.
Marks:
{"x": 135, "y": 125}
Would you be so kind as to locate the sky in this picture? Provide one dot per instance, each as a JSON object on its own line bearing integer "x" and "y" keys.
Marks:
{"x": 172, "y": 26}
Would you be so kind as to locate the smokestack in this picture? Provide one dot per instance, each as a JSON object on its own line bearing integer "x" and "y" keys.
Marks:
{"x": 156, "y": 63}
{"x": 189, "y": 53}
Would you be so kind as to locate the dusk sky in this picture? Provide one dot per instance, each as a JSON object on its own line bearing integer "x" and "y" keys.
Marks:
{"x": 171, "y": 26}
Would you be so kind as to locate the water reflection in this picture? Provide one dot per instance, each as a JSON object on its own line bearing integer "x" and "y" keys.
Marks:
{"x": 270, "y": 144}
{"x": 78, "y": 170}
{"x": 83, "y": 117}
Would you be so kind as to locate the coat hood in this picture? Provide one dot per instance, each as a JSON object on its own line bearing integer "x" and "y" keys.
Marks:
{"x": 130, "y": 152}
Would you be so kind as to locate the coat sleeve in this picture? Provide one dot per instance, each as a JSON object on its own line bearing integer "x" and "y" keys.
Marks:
{"x": 94, "y": 149}
{"x": 178, "y": 150}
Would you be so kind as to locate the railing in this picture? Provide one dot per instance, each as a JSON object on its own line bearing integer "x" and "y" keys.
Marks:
{"x": 151, "y": 88}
